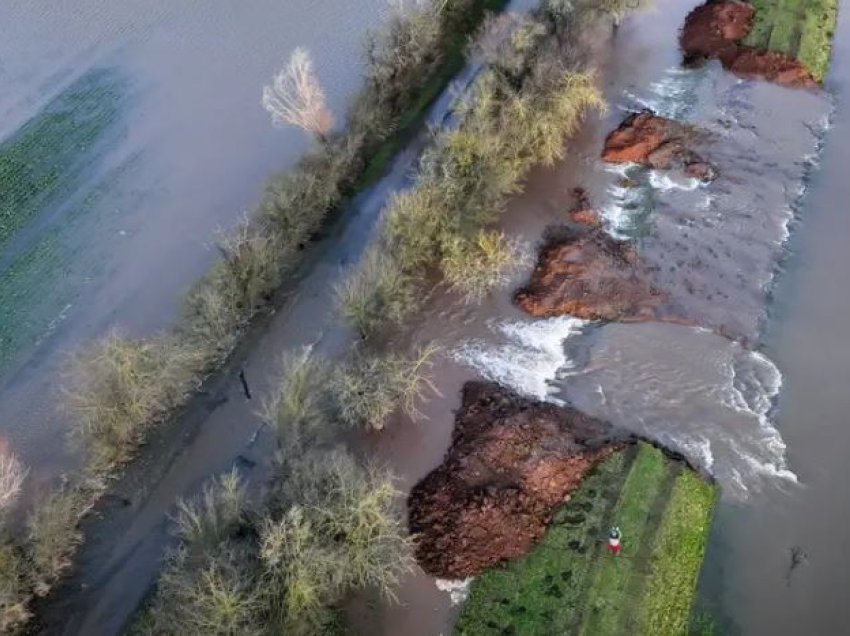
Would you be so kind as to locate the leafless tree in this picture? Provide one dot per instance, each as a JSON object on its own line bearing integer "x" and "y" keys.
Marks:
{"x": 296, "y": 97}
{"x": 12, "y": 474}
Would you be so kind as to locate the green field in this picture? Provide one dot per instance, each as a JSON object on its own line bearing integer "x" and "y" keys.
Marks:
{"x": 570, "y": 584}
{"x": 801, "y": 28}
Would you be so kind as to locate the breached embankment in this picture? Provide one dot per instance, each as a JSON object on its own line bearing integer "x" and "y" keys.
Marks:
{"x": 511, "y": 463}
{"x": 506, "y": 487}
{"x": 717, "y": 30}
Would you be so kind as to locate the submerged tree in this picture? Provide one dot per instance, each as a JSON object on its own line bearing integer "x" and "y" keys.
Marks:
{"x": 295, "y": 97}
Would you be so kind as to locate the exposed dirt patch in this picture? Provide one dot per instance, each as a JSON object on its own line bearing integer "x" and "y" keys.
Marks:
{"x": 589, "y": 275}
{"x": 512, "y": 461}
{"x": 583, "y": 213}
{"x": 717, "y": 29}
{"x": 657, "y": 142}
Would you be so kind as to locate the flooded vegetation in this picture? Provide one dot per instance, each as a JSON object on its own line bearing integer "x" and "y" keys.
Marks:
{"x": 247, "y": 446}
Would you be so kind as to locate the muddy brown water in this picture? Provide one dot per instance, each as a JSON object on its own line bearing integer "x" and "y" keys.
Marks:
{"x": 781, "y": 564}
{"x": 715, "y": 247}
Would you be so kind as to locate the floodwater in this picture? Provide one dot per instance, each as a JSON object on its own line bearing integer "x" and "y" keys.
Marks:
{"x": 781, "y": 565}
{"x": 144, "y": 124}
{"x": 711, "y": 391}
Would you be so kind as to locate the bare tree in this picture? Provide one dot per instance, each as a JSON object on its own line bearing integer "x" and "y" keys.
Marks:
{"x": 296, "y": 97}
{"x": 12, "y": 474}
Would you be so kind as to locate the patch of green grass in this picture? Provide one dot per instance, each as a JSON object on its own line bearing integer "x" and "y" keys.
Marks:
{"x": 539, "y": 594}
{"x": 608, "y": 604}
{"x": 571, "y": 584}
{"x": 677, "y": 556}
{"x": 800, "y": 28}
{"x": 41, "y": 161}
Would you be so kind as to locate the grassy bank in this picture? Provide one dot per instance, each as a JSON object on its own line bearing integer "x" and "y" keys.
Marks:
{"x": 571, "y": 584}
{"x": 800, "y": 28}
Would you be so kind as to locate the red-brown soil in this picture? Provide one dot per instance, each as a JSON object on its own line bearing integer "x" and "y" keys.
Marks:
{"x": 511, "y": 463}
{"x": 657, "y": 142}
{"x": 583, "y": 213}
{"x": 716, "y": 30}
{"x": 589, "y": 275}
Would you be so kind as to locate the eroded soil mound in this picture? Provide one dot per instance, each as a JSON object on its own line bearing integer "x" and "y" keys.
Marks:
{"x": 657, "y": 142}
{"x": 512, "y": 461}
{"x": 717, "y": 29}
{"x": 589, "y": 275}
{"x": 583, "y": 213}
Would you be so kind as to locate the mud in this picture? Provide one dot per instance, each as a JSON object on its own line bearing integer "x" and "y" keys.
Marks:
{"x": 583, "y": 213}
{"x": 589, "y": 275}
{"x": 656, "y": 142}
{"x": 717, "y": 29}
{"x": 511, "y": 462}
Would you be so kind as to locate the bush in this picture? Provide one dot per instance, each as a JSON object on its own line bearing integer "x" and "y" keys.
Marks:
{"x": 53, "y": 534}
{"x": 331, "y": 527}
{"x": 370, "y": 388}
{"x": 475, "y": 267}
{"x": 217, "y": 515}
{"x": 377, "y": 293}
{"x": 217, "y": 596}
{"x": 14, "y": 591}
{"x": 335, "y": 528}
{"x": 12, "y": 475}
{"x": 120, "y": 388}
{"x": 298, "y": 408}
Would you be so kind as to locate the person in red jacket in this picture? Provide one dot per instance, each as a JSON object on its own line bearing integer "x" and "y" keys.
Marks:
{"x": 614, "y": 545}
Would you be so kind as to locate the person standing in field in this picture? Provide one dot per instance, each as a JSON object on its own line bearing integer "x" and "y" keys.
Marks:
{"x": 614, "y": 545}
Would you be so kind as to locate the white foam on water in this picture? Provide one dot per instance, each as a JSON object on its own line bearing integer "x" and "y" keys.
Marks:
{"x": 754, "y": 383}
{"x": 529, "y": 356}
{"x": 663, "y": 182}
{"x": 458, "y": 590}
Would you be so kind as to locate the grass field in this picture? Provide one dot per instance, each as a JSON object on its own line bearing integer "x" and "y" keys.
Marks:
{"x": 570, "y": 584}
{"x": 800, "y": 28}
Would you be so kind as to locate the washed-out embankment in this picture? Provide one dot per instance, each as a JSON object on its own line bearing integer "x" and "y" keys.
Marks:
{"x": 585, "y": 273}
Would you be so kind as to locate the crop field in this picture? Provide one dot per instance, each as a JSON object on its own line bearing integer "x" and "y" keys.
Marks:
{"x": 801, "y": 28}
{"x": 571, "y": 584}
{"x": 46, "y": 195}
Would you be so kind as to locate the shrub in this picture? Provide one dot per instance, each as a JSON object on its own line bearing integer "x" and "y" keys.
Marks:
{"x": 298, "y": 407}
{"x": 217, "y": 515}
{"x": 303, "y": 574}
{"x": 372, "y": 387}
{"x": 14, "y": 591}
{"x": 12, "y": 475}
{"x": 217, "y": 596}
{"x": 377, "y": 293}
{"x": 475, "y": 267}
{"x": 53, "y": 534}
{"x": 120, "y": 388}
{"x": 341, "y": 531}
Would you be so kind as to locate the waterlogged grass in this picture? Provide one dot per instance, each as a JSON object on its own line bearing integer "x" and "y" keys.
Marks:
{"x": 39, "y": 284}
{"x": 608, "y": 599}
{"x": 571, "y": 584}
{"x": 539, "y": 594}
{"x": 677, "y": 556}
{"x": 41, "y": 161}
{"x": 800, "y": 28}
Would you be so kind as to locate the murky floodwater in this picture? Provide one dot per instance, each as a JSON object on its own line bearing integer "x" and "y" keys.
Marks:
{"x": 714, "y": 247}
{"x": 751, "y": 578}
{"x": 143, "y": 118}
